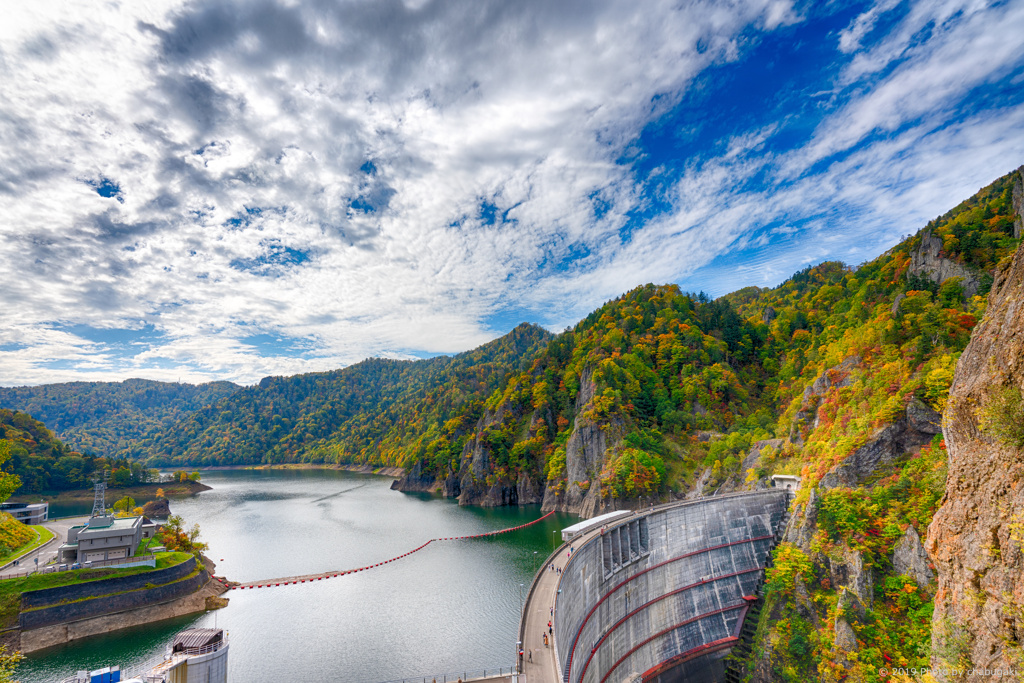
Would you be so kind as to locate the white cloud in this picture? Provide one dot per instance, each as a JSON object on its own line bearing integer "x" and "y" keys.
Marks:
{"x": 249, "y": 140}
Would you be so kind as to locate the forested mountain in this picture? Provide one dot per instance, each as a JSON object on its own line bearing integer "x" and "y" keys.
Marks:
{"x": 373, "y": 411}
{"x": 841, "y": 375}
{"x": 103, "y": 418}
{"x": 44, "y": 463}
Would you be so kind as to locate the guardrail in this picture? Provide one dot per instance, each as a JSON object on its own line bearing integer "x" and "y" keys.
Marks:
{"x": 137, "y": 560}
{"x": 466, "y": 675}
{"x": 529, "y": 594}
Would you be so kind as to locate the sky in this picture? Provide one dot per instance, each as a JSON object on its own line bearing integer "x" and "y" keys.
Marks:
{"x": 226, "y": 189}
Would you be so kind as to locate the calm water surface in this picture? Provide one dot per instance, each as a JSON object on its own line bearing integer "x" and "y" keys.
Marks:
{"x": 452, "y": 606}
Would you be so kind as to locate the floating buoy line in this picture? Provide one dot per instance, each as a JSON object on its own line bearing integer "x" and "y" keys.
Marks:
{"x": 309, "y": 578}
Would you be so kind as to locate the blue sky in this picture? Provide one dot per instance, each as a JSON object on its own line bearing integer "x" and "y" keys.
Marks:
{"x": 226, "y": 190}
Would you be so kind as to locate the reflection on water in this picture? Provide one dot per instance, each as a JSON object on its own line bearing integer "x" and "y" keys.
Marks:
{"x": 451, "y": 606}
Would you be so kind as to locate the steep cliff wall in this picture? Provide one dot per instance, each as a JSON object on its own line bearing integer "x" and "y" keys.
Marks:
{"x": 926, "y": 260}
{"x": 976, "y": 537}
{"x": 1018, "y": 203}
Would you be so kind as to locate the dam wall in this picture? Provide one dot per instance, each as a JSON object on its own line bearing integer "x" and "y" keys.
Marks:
{"x": 661, "y": 596}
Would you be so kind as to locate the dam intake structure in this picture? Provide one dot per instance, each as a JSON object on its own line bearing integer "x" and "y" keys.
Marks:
{"x": 663, "y": 595}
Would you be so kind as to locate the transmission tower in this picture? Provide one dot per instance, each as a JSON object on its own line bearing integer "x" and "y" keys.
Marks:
{"x": 99, "y": 501}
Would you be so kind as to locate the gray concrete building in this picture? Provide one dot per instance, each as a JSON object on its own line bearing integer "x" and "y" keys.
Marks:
{"x": 102, "y": 538}
{"x": 27, "y": 513}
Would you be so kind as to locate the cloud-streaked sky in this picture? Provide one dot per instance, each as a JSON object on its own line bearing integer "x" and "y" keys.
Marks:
{"x": 225, "y": 189}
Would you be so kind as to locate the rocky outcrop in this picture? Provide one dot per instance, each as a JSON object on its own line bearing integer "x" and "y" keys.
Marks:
{"x": 927, "y": 260}
{"x": 975, "y": 537}
{"x": 846, "y": 569}
{"x": 917, "y": 427}
{"x": 415, "y": 481}
{"x": 804, "y": 523}
{"x": 806, "y": 418}
{"x": 846, "y": 639}
{"x": 477, "y": 492}
{"x": 157, "y": 509}
{"x": 584, "y": 458}
{"x": 1018, "y": 203}
{"x": 910, "y": 558}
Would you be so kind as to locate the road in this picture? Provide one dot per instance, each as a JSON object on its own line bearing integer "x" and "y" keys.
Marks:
{"x": 26, "y": 563}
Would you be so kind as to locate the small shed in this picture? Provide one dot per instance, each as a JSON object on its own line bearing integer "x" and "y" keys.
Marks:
{"x": 206, "y": 639}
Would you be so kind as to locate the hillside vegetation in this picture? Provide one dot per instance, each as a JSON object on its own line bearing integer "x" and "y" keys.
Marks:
{"x": 42, "y": 462}
{"x": 103, "y": 418}
{"x": 374, "y": 411}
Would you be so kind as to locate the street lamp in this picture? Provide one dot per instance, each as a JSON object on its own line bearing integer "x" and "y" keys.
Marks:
{"x": 522, "y": 606}
{"x": 553, "y": 539}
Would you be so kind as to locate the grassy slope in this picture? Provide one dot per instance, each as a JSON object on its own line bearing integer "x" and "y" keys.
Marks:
{"x": 11, "y": 589}
{"x": 42, "y": 535}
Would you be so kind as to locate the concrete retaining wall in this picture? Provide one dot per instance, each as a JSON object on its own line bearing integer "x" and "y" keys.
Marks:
{"x": 669, "y": 584}
{"x": 90, "y": 589}
{"x": 49, "y": 636}
{"x": 85, "y": 609}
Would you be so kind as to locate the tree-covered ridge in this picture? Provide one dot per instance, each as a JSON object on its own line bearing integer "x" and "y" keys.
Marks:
{"x": 103, "y": 418}
{"x": 39, "y": 458}
{"x": 43, "y": 462}
{"x": 979, "y": 231}
{"x": 368, "y": 412}
{"x": 664, "y": 363}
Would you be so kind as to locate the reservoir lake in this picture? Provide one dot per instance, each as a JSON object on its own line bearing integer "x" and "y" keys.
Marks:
{"x": 451, "y": 607}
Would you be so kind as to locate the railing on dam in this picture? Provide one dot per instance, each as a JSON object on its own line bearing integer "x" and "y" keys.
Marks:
{"x": 667, "y": 587}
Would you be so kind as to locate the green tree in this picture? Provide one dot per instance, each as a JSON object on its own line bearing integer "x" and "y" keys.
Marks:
{"x": 176, "y": 537}
{"x": 9, "y": 483}
{"x": 124, "y": 506}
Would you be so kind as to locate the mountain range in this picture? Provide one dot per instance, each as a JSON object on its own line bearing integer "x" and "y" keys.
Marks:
{"x": 840, "y": 375}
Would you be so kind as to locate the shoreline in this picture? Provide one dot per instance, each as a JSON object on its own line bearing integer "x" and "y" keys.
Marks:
{"x": 140, "y": 492}
{"x": 380, "y": 470}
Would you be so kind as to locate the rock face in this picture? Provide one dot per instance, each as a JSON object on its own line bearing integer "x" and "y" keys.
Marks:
{"x": 414, "y": 480}
{"x": 1018, "y": 203}
{"x": 738, "y": 482}
{"x": 846, "y": 639}
{"x": 917, "y": 427}
{"x": 910, "y": 558}
{"x": 975, "y": 538}
{"x": 157, "y": 509}
{"x": 927, "y": 260}
{"x": 584, "y": 458}
{"x": 847, "y": 570}
{"x": 806, "y": 417}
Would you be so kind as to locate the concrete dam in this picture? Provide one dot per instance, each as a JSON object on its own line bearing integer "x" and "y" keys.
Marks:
{"x": 662, "y": 595}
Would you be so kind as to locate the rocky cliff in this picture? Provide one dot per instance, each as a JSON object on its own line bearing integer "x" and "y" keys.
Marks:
{"x": 1018, "y": 203}
{"x": 927, "y": 260}
{"x": 975, "y": 538}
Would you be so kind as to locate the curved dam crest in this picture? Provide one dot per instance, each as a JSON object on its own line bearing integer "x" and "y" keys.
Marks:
{"x": 662, "y": 595}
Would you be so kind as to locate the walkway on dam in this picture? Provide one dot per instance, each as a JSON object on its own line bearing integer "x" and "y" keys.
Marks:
{"x": 538, "y": 612}
{"x": 309, "y": 578}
